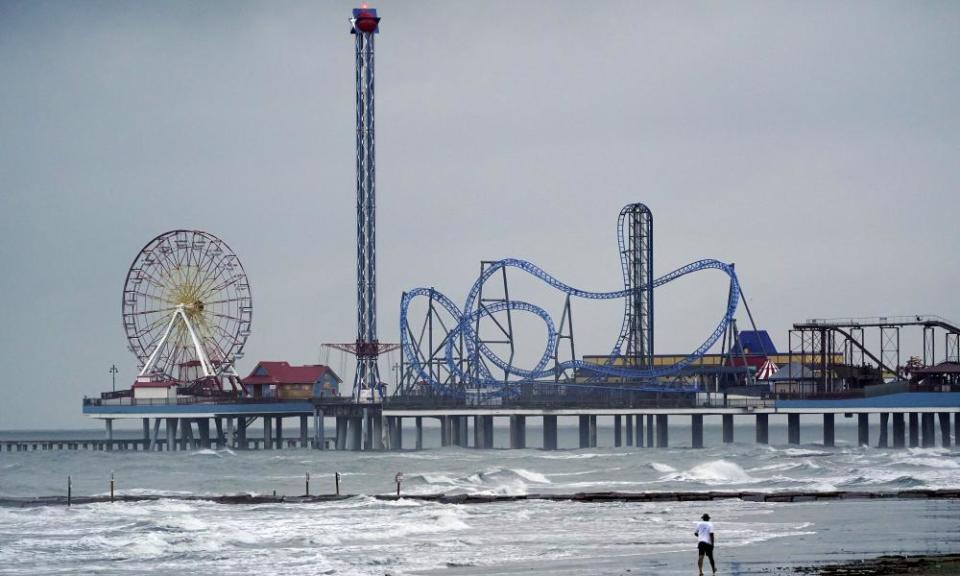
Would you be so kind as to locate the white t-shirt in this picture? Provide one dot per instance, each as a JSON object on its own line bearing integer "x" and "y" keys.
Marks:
{"x": 704, "y": 530}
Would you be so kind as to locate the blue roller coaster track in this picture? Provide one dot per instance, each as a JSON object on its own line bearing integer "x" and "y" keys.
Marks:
{"x": 474, "y": 373}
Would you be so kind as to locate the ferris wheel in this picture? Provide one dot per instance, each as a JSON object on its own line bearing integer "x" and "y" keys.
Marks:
{"x": 187, "y": 308}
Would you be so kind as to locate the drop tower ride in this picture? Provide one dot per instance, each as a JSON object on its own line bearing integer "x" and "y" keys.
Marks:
{"x": 366, "y": 385}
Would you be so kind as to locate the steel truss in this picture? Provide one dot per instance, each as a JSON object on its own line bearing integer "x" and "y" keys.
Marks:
{"x": 469, "y": 362}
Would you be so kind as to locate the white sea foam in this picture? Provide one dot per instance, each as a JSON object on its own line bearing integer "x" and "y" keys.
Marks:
{"x": 664, "y": 468}
{"x": 715, "y": 472}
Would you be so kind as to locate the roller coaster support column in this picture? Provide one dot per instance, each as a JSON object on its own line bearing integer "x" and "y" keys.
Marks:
{"x": 884, "y": 440}
{"x": 763, "y": 428}
{"x": 696, "y": 430}
{"x": 549, "y": 432}
{"x": 863, "y": 429}
{"x": 898, "y": 430}
{"x": 929, "y": 430}
{"x": 914, "y": 420}
{"x": 728, "y": 428}
{"x": 663, "y": 431}
{"x": 828, "y": 430}
{"x": 617, "y": 431}
{"x": 518, "y": 431}
{"x": 793, "y": 428}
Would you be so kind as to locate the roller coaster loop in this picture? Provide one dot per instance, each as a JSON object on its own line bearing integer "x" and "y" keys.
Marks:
{"x": 476, "y": 374}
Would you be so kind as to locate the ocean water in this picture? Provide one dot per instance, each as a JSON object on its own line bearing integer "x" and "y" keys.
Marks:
{"x": 365, "y": 536}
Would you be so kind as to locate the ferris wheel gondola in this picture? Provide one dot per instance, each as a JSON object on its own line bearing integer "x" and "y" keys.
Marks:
{"x": 187, "y": 309}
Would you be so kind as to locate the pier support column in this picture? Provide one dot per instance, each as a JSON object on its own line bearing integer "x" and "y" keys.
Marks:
{"x": 146, "y": 432}
{"x": 549, "y": 432}
{"x": 639, "y": 437}
{"x": 242, "y": 433}
{"x": 898, "y": 430}
{"x": 863, "y": 429}
{"x": 518, "y": 431}
{"x": 171, "y": 436}
{"x": 367, "y": 425}
{"x": 593, "y": 430}
{"x": 203, "y": 429}
{"x": 884, "y": 424}
{"x": 221, "y": 437}
{"x": 108, "y": 430}
{"x": 377, "y": 421}
{"x": 355, "y": 433}
{"x": 319, "y": 440}
{"x": 763, "y": 428}
{"x": 278, "y": 425}
{"x": 945, "y": 429}
{"x": 267, "y": 433}
{"x": 663, "y": 431}
{"x": 396, "y": 440}
{"x": 478, "y": 432}
{"x": 793, "y": 428}
{"x": 617, "y": 431}
{"x": 463, "y": 427}
{"x": 488, "y": 431}
{"x": 584, "y": 431}
{"x": 956, "y": 429}
{"x": 186, "y": 433}
{"x": 629, "y": 429}
{"x": 341, "y": 433}
{"x": 828, "y": 430}
{"x": 696, "y": 430}
{"x": 156, "y": 434}
{"x": 304, "y": 430}
{"x": 914, "y": 420}
{"x": 929, "y": 430}
{"x": 445, "y": 432}
{"x": 650, "y": 431}
{"x": 728, "y": 428}
{"x": 418, "y": 423}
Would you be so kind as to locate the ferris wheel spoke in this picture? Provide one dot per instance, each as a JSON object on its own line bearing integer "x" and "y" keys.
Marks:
{"x": 157, "y": 311}
{"x": 230, "y": 282}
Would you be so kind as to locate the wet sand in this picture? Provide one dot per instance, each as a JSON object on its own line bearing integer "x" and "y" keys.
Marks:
{"x": 927, "y": 565}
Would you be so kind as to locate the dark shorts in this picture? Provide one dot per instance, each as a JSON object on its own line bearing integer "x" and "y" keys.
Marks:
{"x": 705, "y": 548}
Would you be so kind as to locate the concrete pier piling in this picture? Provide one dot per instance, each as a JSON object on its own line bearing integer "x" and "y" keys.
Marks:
{"x": 829, "y": 437}
{"x": 899, "y": 436}
{"x": 630, "y": 429}
{"x": 928, "y": 429}
{"x": 763, "y": 428}
{"x": 663, "y": 431}
{"x": 617, "y": 431}
{"x": 267, "y": 433}
{"x": 884, "y": 440}
{"x": 319, "y": 434}
{"x": 584, "y": 431}
{"x": 944, "y": 429}
{"x": 639, "y": 431}
{"x": 863, "y": 429}
{"x": 728, "y": 428}
{"x": 418, "y": 424}
{"x": 696, "y": 430}
{"x": 518, "y": 431}
{"x": 914, "y": 421}
{"x": 793, "y": 428}
{"x": 549, "y": 432}
{"x": 650, "y": 431}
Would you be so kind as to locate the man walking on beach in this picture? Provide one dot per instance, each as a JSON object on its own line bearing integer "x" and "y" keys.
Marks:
{"x": 705, "y": 540}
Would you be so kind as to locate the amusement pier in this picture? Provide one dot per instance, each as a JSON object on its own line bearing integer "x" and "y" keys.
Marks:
{"x": 464, "y": 361}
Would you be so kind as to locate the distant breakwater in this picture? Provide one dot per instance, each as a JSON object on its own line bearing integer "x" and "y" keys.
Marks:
{"x": 586, "y": 497}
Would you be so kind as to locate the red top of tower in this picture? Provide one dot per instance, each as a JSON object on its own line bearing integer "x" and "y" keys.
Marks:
{"x": 365, "y": 20}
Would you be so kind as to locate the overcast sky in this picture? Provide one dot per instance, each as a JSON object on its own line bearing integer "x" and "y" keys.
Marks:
{"x": 815, "y": 144}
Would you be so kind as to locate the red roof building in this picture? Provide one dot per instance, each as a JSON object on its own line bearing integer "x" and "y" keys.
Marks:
{"x": 285, "y": 382}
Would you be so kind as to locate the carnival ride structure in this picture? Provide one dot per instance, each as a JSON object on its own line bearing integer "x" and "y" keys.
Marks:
{"x": 447, "y": 356}
{"x": 187, "y": 310}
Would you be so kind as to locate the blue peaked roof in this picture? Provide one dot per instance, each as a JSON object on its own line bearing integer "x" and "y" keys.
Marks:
{"x": 755, "y": 342}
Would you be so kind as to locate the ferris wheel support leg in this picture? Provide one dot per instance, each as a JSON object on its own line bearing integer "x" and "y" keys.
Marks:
{"x": 153, "y": 355}
{"x": 201, "y": 353}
